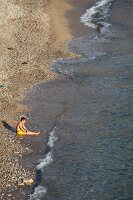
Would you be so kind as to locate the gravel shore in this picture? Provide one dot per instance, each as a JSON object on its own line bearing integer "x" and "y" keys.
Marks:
{"x": 11, "y": 171}
{"x": 32, "y": 35}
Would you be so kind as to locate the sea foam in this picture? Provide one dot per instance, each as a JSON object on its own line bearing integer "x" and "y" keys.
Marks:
{"x": 46, "y": 161}
{"x": 97, "y": 14}
{"x": 49, "y": 156}
{"x": 52, "y": 138}
{"x": 40, "y": 191}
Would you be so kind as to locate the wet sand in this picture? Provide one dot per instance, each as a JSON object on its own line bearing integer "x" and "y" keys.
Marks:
{"x": 77, "y": 28}
{"x": 33, "y": 34}
{"x": 45, "y": 115}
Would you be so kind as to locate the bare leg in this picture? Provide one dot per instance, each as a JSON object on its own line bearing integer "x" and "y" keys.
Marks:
{"x": 32, "y": 133}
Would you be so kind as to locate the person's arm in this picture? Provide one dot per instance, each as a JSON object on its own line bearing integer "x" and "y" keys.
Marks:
{"x": 22, "y": 128}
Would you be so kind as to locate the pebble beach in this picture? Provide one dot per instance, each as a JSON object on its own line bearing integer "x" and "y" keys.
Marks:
{"x": 79, "y": 102}
{"x": 32, "y": 35}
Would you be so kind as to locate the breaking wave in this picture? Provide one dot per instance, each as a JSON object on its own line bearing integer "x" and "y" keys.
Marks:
{"x": 96, "y": 16}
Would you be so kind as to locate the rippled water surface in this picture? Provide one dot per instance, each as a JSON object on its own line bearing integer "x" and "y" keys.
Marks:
{"x": 90, "y": 104}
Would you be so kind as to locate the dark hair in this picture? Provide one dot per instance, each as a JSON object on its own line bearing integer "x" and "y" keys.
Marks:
{"x": 23, "y": 118}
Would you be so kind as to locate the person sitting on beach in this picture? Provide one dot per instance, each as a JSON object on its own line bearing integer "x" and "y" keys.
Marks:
{"x": 22, "y": 130}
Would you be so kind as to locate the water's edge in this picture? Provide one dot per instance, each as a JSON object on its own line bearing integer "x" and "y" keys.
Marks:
{"x": 99, "y": 84}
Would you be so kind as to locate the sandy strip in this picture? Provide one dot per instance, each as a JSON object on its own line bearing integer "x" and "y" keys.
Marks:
{"x": 32, "y": 34}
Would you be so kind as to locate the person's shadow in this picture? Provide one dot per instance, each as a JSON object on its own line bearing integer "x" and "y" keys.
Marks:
{"x": 7, "y": 126}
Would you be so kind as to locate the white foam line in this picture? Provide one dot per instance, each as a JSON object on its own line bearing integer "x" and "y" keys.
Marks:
{"x": 101, "y": 8}
{"x": 49, "y": 157}
{"x": 46, "y": 161}
{"x": 75, "y": 61}
{"x": 52, "y": 138}
{"x": 40, "y": 191}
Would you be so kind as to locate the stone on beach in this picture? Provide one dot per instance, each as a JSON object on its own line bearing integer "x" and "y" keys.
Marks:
{"x": 28, "y": 181}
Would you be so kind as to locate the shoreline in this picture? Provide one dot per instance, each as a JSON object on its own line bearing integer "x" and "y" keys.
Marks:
{"x": 44, "y": 117}
{"x": 69, "y": 12}
{"x": 18, "y": 63}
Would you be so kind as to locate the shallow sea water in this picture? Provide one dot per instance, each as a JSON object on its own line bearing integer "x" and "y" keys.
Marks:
{"x": 90, "y": 108}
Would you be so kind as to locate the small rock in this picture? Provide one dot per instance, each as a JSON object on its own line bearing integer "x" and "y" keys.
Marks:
{"x": 2, "y": 85}
{"x": 24, "y": 63}
{"x": 20, "y": 181}
{"x": 10, "y": 48}
{"x": 8, "y": 186}
{"x": 28, "y": 181}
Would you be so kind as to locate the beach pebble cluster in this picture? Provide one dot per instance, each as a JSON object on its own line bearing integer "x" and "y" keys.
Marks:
{"x": 11, "y": 172}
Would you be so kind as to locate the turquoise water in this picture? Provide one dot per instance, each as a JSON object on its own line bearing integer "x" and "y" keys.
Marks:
{"x": 89, "y": 106}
